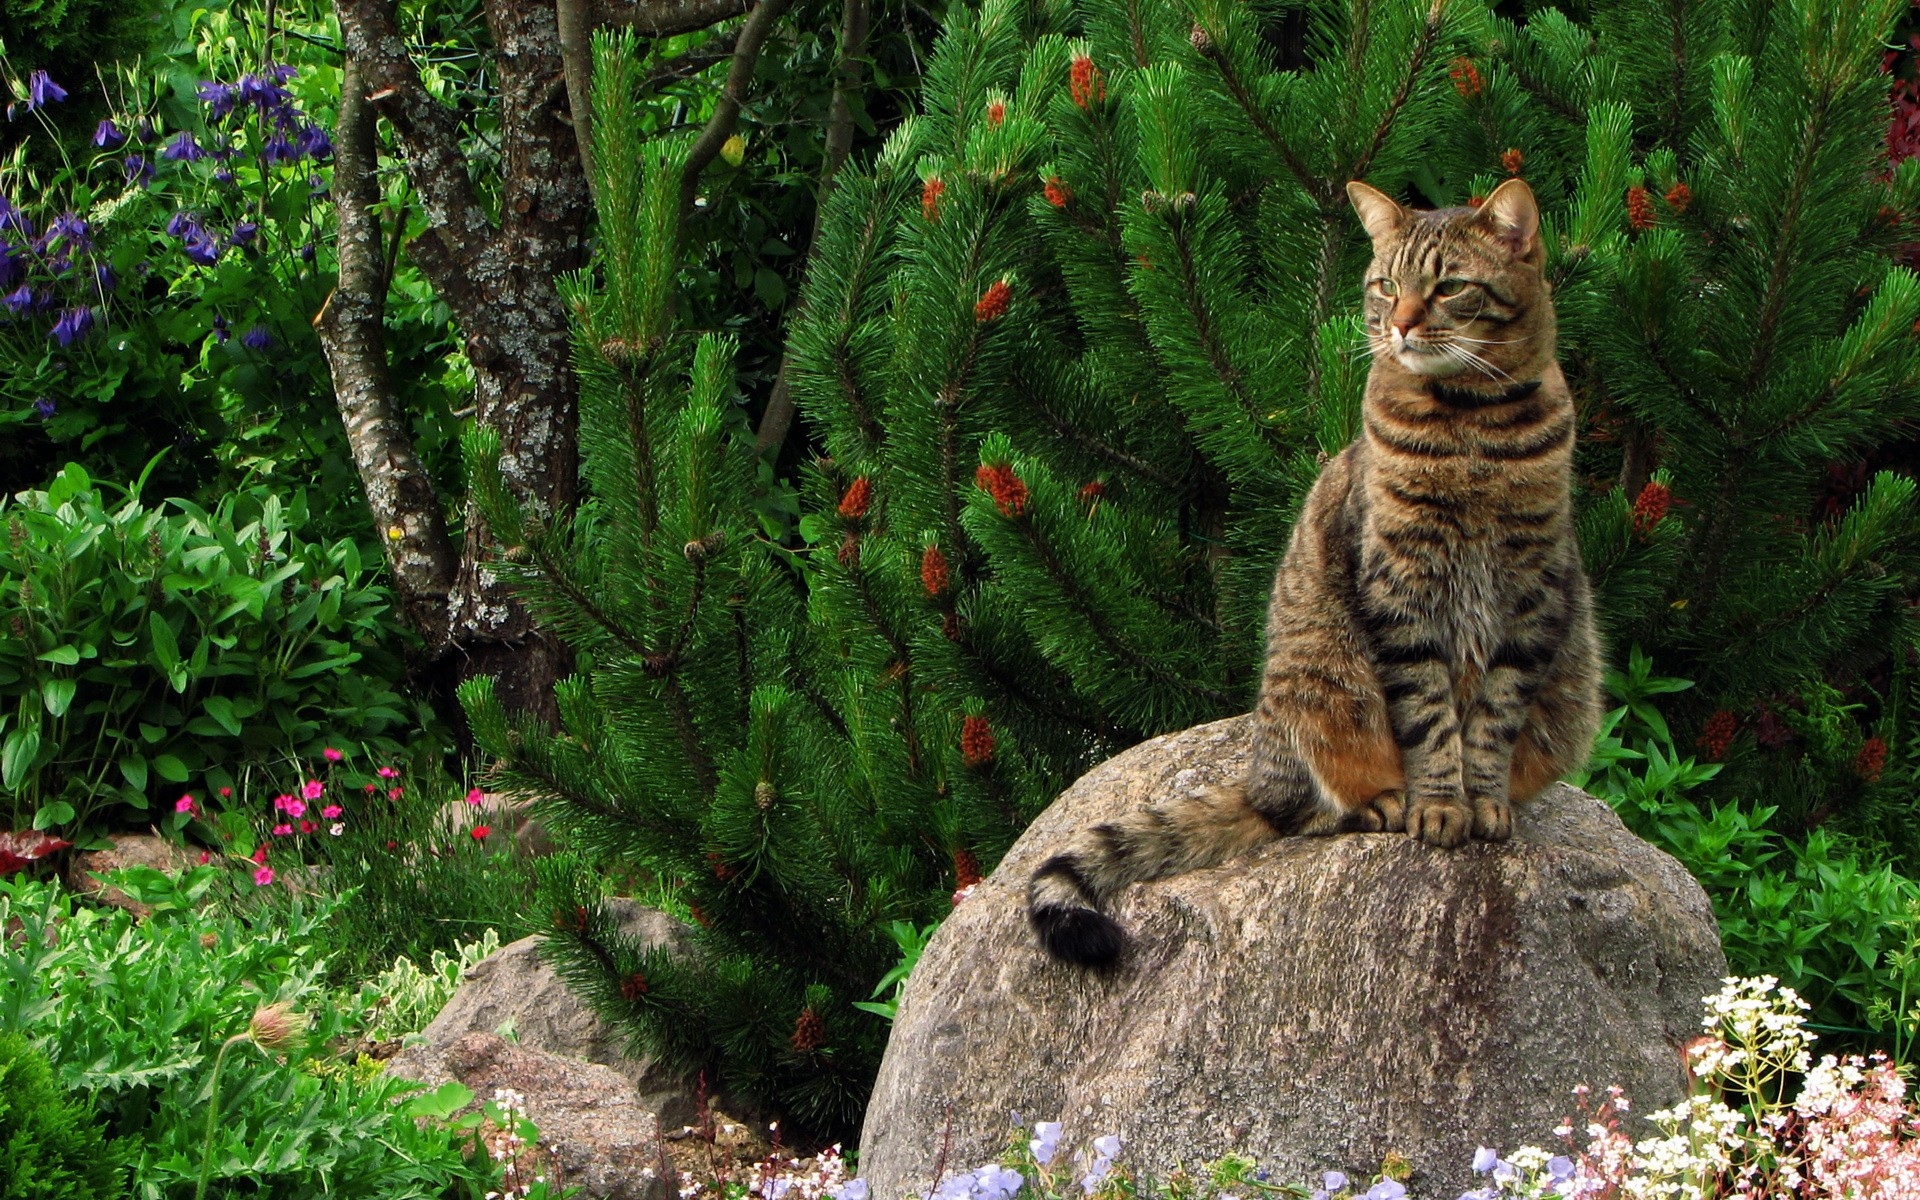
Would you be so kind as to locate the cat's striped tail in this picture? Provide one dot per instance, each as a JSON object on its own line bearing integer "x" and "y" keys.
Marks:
{"x": 1068, "y": 892}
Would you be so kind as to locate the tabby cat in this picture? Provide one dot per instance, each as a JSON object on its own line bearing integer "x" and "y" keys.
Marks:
{"x": 1431, "y": 653}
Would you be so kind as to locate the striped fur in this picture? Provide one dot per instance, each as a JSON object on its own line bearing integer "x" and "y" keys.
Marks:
{"x": 1432, "y": 658}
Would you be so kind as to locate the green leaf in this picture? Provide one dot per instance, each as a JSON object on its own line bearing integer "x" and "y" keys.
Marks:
{"x": 57, "y": 695}
{"x": 16, "y": 757}
{"x": 133, "y": 768}
{"x": 58, "y": 812}
{"x": 221, "y": 709}
{"x": 441, "y": 1103}
{"x": 170, "y": 768}
{"x": 166, "y": 648}
{"x": 66, "y": 656}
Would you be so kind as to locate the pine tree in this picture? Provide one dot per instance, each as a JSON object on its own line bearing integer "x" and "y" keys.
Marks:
{"x": 1072, "y": 348}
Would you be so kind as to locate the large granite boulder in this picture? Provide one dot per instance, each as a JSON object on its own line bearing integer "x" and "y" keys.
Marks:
{"x": 595, "y": 1134}
{"x": 513, "y": 989}
{"x": 1315, "y": 1005}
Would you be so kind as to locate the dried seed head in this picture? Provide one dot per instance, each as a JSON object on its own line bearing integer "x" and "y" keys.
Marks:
{"x": 277, "y": 1026}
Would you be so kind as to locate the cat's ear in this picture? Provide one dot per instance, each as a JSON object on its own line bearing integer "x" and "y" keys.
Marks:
{"x": 1511, "y": 216}
{"x": 1379, "y": 212}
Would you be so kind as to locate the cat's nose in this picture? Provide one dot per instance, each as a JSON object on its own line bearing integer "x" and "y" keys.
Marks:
{"x": 1404, "y": 325}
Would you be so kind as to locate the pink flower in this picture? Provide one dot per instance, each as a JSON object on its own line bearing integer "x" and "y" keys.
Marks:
{"x": 290, "y": 806}
{"x": 480, "y": 832}
{"x": 370, "y": 789}
{"x": 205, "y": 858}
{"x": 312, "y": 789}
{"x": 308, "y": 827}
{"x": 260, "y": 855}
{"x": 394, "y": 793}
{"x": 474, "y": 797}
{"x": 226, "y": 793}
{"x": 331, "y": 811}
{"x": 332, "y": 755}
{"x": 183, "y": 805}
{"x": 282, "y": 830}
{"x": 263, "y": 876}
{"x": 387, "y": 773}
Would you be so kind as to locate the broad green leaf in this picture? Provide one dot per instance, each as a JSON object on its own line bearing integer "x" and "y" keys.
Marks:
{"x": 57, "y": 695}
{"x": 66, "y": 656}
{"x": 170, "y": 768}
{"x": 16, "y": 757}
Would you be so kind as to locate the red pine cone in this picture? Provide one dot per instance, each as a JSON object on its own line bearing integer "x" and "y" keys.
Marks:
{"x": 633, "y": 986}
{"x": 853, "y": 505}
{"x": 976, "y": 741}
{"x": 1718, "y": 735}
{"x": 809, "y": 1032}
{"x": 1650, "y": 507}
{"x": 1639, "y": 208}
{"x": 1771, "y": 731}
{"x": 1008, "y": 492}
{"x": 1512, "y": 161}
{"x": 1679, "y": 196}
{"x": 699, "y": 915}
{"x": 934, "y": 572}
{"x": 720, "y": 868}
{"x": 930, "y": 198}
{"x": 849, "y": 553}
{"x": 996, "y": 114}
{"x": 1090, "y": 493}
{"x": 950, "y": 627}
{"x": 993, "y": 304}
{"x": 1086, "y": 83}
{"x": 1466, "y": 78}
{"x": 1056, "y": 192}
{"x": 1871, "y": 760}
{"x": 1475, "y": 201}
{"x": 966, "y": 869}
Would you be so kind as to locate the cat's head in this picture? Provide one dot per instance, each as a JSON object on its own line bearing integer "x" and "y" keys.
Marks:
{"x": 1458, "y": 291}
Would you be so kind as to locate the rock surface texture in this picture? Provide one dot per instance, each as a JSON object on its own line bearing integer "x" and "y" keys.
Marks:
{"x": 1314, "y": 1005}
{"x": 513, "y": 987}
{"x": 594, "y": 1133}
{"x": 127, "y": 850}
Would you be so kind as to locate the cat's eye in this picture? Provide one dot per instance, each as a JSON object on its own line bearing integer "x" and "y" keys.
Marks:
{"x": 1386, "y": 287}
{"x": 1451, "y": 287}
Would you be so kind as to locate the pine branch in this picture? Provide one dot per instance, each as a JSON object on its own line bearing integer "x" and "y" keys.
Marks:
{"x": 1415, "y": 64}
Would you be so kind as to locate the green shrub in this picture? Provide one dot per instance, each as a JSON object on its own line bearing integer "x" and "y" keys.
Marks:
{"x": 132, "y": 1014}
{"x": 49, "y": 1146}
{"x": 156, "y": 648}
{"x": 405, "y": 997}
{"x": 1823, "y": 915}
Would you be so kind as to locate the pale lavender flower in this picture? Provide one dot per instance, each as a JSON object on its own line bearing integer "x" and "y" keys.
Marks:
{"x": 1485, "y": 1159}
{"x": 1046, "y": 1141}
{"x": 1107, "y": 1147}
{"x": 1386, "y": 1189}
{"x": 1333, "y": 1181}
{"x": 138, "y": 169}
{"x": 854, "y": 1189}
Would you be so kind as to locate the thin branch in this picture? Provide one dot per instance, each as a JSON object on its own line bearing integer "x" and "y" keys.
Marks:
{"x": 726, "y": 109}
{"x": 718, "y": 48}
{"x": 854, "y": 14}
{"x": 664, "y": 18}
{"x": 400, "y": 493}
{"x": 576, "y": 58}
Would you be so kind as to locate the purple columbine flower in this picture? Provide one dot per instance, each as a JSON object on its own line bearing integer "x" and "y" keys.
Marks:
{"x": 68, "y": 225}
{"x": 42, "y": 91}
{"x": 138, "y": 169}
{"x": 243, "y": 233}
{"x": 317, "y": 187}
{"x": 182, "y": 149}
{"x": 103, "y": 278}
{"x": 263, "y": 92}
{"x": 45, "y": 407}
{"x": 220, "y": 329}
{"x": 306, "y": 252}
{"x": 256, "y": 338}
{"x": 278, "y": 149}
{"x": 201, "y": 247}
{"x": 19, "y": 300}
{"x": 13, "y": 218}
{"x": 72, "y": 325}
{"x": 11, "y": 272}
{"x": 280, "y": 72}
{"x": 144, "y": 130}
{"x": 181, "y": 223}
{"x": 107, "y": 135}
{"x": 313, "y": 142}
{"x": 218, "y": 97}
{"x": 223, "y": 176}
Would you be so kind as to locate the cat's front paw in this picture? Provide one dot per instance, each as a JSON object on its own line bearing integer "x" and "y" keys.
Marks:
{"x": 1385, "y": 813}
{"x": 1492, "y": 818}
{"x": 1443, "y": 821}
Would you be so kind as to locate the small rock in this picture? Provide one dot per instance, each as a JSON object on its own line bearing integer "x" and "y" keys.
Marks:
{"x": 512, "y": 986}
{"x": 594, "y": 1132}
{"x": 128, "y": 850}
